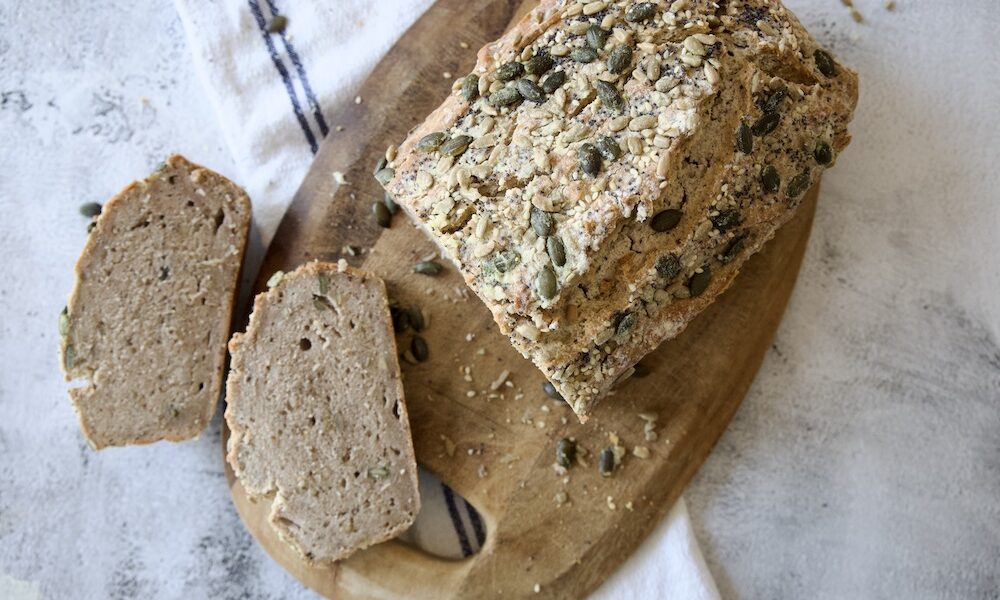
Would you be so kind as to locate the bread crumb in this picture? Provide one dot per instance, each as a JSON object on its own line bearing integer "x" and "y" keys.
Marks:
{"x": 339, "y": 178}
{"x": 628, "y": 505}
{"x": 857, "y": 16}
{"x": 482, "y": 472}
{"x": 341, "y": 265}
{"x": 611, "y": 503}
{"x": 357, "y": 99}
{"x": 561, "y": 498}
{"x": 889, "y": 4}
{"x": 449, "y": 445}
{"x": 538, "y": 588}
{"x": 640, "y": 452}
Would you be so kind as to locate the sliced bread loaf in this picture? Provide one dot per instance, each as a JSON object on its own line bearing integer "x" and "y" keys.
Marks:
{"x": 315, "y": 408}
{"x": 146, "y": 326}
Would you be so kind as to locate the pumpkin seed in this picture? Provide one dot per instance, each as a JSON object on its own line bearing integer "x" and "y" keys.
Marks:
{"x": 625, "y": 325}
{"x": 530, "y": 90}
{"x": 766, "y": 124}
{"x": 502, "y": 261}
{"x": 390, "y": 204}
{"x": 91, "y": 226}
{"x": 510, "y": 71}
{"x": 699, "y": 281}
{"x": 584, "y": 55}
{"x": 324, "y": 284}
{"x": 418, "y": 346}
{"x": 90, "y": 209}
{"x": 542, "y": 222}
{"x": 823, "y": 153}
{"x": 456, "y": 145}
{"x": 378, "y": 473}
{"x": 554, "y": 81}
{"x": 505, "y": 96}
{"x": 69, "y": 357}
{"x": 734, "y": 248}
{"x": 556, "y": 250}
{"x": 769, "y": 179}
{"x": 641, "y": 370}
{"x": 385, "y": 175}
{"x": 597, "y": 36}
{"x": 665, "y": 220}
{"x": 620, "y": 59}
{"x": 726, "y": 219}
{"x": 546, "y": 283}
{"x": 400, "y": 319}
{"x": 606, "y": 463}
{"x": 640, "y": 12}
{"x": 470, "y": 87}
{"x": 565, "y": 452}
{"x": 609, "y": 95}
{"x": 323, "y": 303}
{"x": 551, "y": 392}
{"x": 744, "y": 139}
{"x": 416, "y": 318}
{"x": 380, "y": 164}
{"x": 590, "y": 160}
{"x": 64, "y": 321}
{"x": 427, "y": 267}
{"x": 381, "y": 214}
{"x": 277, "y": 24}
{"x": 824, "y": 62}
{"x": 431, "y": 141}
{"x": 798, "y": 184}
{"x": 275, "y": 279}
{"x": 538, "y": 64}
{"x": 773, "y": 102}
{"x": 668, "y": 266}
{"x": 609, "y": 148}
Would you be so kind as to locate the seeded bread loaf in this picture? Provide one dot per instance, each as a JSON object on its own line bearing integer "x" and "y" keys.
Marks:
{"x": 607, "y": 168}
{"x": 315, "y": 407}
{"x": 145, "y": 330}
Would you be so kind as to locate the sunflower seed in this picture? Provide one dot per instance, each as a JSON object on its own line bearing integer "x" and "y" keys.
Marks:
{"x": 431, "y": 141}
{"x": 620, "y": 59}
{"x": 665, "y": 220}
{"x": 530, "y": 90}
{"x": 554, "y": 81}
{"x": 427, "y": 267}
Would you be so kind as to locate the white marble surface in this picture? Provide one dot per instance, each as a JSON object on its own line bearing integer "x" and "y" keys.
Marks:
{"x": 865, "y": 462}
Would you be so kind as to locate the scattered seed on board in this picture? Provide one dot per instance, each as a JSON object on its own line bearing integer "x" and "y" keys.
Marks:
{"x": 620, "y": 59}
{"x": 90, "y": 209}
{"x": 665, "y": 220}
{"x": 606, "y": 463}
{"x": 798, "y": 184}
{"x": 551, "y": 392}
{"x": 590, "y": 160}
{"x": 509, "y": 71}
{"x": 470, "y": 87}
{"x": 541, "y": 221}
{"x": 597, "y": 36}
{"x": 744, "y": 139}
{"x": 91, "y": 226}
{"x": 400, "y": 319}
{"x": 427, "y": 267}
{"x": 546, "y": 283}
{"x": 823, "y": 153}
{"x": 824, "y": 62}
{"x": 277, "y": 24}
{"x": 390, "y": 203}
{"x": 766, "y": 124}
{"x": 275, "y": 279}
{"x": 505, "y": 96}
{"x": 530, "y": 90}
{"x": 553, "y": 82}
{"x": 556, "y": 250}
{"x": 385, "y": 175}
{"x": 609, "y": 95}
{"x": 431, "y": 141}
{"x": 538, "y": 64}
{"x": 726, "y": 219}
{"x": 418, "y": 346}
{"x": 769, "y": 179}
{"x": 417, "y": 320}
{"x": 699, "y": 281}
{"x": 668, "y": 266}
{"x": 584, "y": 55}
{"x": 565, "y": 452}
{"x": 382, "y": 215}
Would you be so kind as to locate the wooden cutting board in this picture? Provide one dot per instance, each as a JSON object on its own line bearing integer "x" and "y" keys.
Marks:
{"x": 496, "y": 451}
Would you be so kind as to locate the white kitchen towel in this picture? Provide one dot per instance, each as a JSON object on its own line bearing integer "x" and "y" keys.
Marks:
{"x": 269, "y": 91}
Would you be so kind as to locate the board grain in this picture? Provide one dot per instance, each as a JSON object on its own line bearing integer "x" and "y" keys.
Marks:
{"x": 496, "y": 447}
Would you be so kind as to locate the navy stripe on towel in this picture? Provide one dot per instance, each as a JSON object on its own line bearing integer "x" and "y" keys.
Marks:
{"x": 456, "y": 520}
{"x": 280, "y": 66}
{"x": 477, "y": 524}
{"x": 297, "y": 63}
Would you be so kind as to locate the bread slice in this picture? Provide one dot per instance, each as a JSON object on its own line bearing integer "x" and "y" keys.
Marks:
{"x": 146, "y": 326}
{"x": 315, "y": 407}
{"x": 606, "y": 169}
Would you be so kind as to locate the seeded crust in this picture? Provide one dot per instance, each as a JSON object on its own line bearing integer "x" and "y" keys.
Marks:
{"x": 698, "y": 72}
{"x": 148, "y": 319}
{"x": 316, "y": 410}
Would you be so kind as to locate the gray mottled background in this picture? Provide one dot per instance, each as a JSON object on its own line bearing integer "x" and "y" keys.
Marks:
{"x": 865, "y": 463}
